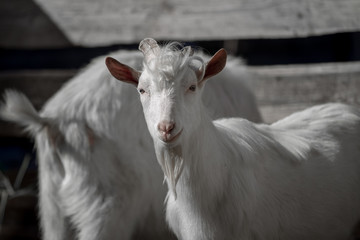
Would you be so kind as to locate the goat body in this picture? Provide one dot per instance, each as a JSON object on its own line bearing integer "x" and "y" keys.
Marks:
{"x": 98, "y": 176}
{"x": 298, "y": 178}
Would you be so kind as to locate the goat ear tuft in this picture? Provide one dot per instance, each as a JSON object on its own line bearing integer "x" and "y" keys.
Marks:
{"x": 215, "y": 65}
{"x": 122, "y": 72}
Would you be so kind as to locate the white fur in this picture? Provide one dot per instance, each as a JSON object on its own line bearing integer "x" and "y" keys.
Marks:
{"x": 98, "y": 176}
{"x": 298, "y": 178}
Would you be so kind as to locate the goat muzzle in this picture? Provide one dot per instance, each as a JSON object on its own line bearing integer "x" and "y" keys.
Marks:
{"x": 166, "y": 130}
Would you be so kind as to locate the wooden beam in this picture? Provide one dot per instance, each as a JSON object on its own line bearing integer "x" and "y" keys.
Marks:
{"x": 95, "y": 23}
{"x": 282, "y": 90}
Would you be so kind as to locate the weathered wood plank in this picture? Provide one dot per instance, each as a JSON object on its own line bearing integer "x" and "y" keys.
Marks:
{"x": 94, "y": 23}
{"x": 315, "y": 83}
{"x": 273, "y": 113}
{"x": 282, "y": 90}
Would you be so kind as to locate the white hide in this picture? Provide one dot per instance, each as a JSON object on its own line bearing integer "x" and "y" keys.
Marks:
{"x": 98, "y": 176}
{"x": 296, "y": 179}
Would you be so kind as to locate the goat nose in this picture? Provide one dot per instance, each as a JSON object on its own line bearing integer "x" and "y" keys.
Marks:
{"x": 166, "y": 126}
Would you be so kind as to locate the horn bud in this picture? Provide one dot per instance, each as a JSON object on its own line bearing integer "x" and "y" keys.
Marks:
{"x": 150, "y": 48}
{"x": 187, "y": 51}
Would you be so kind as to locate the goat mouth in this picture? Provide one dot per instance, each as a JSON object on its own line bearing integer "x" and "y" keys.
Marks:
{"x": 167, "y": 138}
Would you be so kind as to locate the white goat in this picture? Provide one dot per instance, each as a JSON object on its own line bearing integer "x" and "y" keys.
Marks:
{"x": 98, "y": 174}
{"x": 232, "y": 179}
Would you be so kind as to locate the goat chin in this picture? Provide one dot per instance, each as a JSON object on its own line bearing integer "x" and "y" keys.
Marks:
{"x": 171, "y": 162}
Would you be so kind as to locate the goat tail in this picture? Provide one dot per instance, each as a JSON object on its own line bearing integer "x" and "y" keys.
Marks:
{"x": 17, "y": 108}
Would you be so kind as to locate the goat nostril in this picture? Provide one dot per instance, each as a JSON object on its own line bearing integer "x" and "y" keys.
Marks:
{"x": 170, "y": 127}
{"x": 166, "y": 126}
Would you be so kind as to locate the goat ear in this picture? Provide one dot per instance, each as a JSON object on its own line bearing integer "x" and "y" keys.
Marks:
{"x": 215, "y": 65}
{"x": 122, "y": 72}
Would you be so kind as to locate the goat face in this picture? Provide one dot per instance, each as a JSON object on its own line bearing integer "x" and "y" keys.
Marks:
{"x": 171, "y": 104}
{"x": 170, "y": 87}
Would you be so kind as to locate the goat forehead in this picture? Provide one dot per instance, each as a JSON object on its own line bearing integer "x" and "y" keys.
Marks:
{"x": 169, "y": 66}
{"x": 162, "y": 81}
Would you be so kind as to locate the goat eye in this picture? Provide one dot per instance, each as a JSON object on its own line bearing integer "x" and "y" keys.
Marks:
{"x": 141, "y": 91}
{"x": 192, "y": 88}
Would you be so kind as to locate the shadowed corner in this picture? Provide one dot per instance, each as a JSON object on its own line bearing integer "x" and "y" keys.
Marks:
{"x": 356, "y": 232}
{"x": 25, "y": 19}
